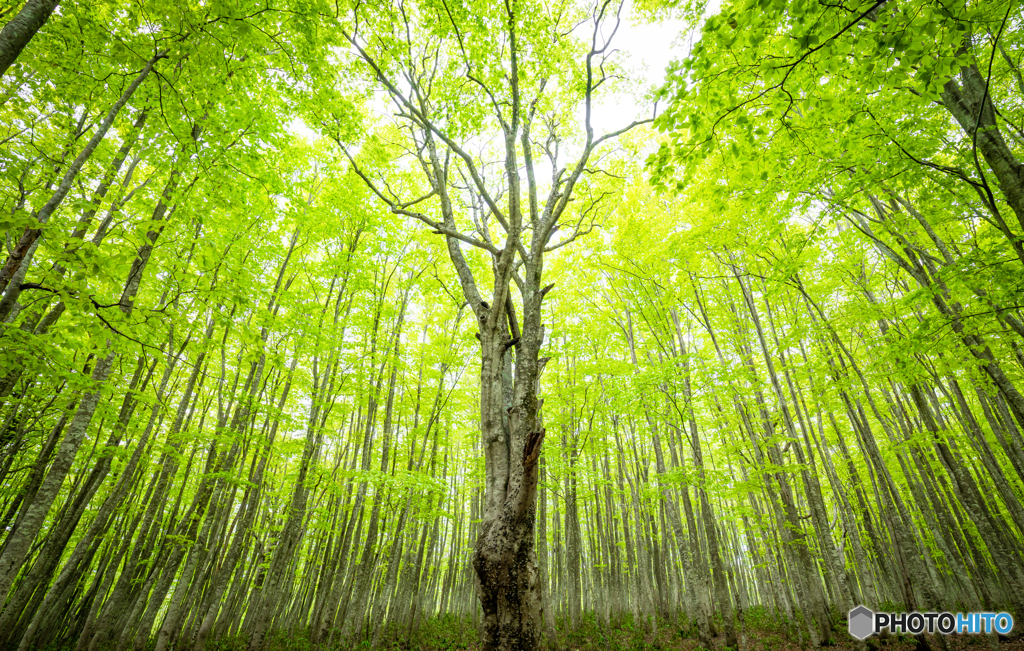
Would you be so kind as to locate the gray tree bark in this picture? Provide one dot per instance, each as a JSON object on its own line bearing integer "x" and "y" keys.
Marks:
{"x": 17, "y": 33}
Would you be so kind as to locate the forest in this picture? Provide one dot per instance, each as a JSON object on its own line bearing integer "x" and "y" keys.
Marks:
{"x": 432, "y": 325}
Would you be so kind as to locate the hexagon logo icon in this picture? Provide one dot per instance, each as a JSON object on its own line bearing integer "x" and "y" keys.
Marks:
{"x": 862, "y": 622}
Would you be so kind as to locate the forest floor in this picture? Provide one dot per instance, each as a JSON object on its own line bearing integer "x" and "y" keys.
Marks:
{"x": 775, "y": 640}
{"x": 460, "y": 634}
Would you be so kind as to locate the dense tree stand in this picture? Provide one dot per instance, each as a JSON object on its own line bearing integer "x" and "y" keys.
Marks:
{"x": 332, "y": 324}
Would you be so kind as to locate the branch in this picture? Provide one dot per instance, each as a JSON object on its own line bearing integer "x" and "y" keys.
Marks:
{"x": 425, "y": 123}
{"x": 402, "y": 208}
{"x": 469, "y": 69}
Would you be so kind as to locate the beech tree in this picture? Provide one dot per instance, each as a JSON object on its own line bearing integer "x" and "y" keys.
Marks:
{"x": 514, "y": 66}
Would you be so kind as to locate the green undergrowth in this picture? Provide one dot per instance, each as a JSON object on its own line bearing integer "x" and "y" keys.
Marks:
{"x": 763, "y": 630}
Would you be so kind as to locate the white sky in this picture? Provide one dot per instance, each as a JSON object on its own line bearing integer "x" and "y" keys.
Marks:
{"x": 649, "y": 48}
{"x": 652, "y": 45}
{"x": 645, "y": 50}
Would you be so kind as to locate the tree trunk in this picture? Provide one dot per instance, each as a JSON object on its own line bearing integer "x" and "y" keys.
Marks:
{"x": 21, "y": 253}
{"x": 504, "y": 557}
{"x": 19, "y": 30}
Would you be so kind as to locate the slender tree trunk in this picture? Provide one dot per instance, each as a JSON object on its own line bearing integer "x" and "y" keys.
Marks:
{"x": 20, "y": 254}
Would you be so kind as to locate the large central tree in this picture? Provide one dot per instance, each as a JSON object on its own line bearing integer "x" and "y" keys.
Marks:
{"x": 482, "y": 93}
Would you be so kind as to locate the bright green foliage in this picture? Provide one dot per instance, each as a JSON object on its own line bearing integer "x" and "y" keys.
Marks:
{"x": 793, "y": 334}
